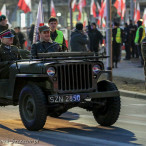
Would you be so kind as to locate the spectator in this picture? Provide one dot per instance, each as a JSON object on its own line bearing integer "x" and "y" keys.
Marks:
{"x": 126, "y": 41}
{"x": 56, "y": 35}
{"x": 117, "y": 35}
{"x": 79, "y": 39}
{"x": 45, "y": 44}
{"x": 31, "y": 32}
{"x": 134, "y": 51}
{"x": 140, "y": 34}
{"x": 95, "y": 37}
{"x": 21, "y": 36}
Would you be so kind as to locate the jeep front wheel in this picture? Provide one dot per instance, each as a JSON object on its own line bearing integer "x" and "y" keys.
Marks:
{"x": 107, "y": 114}
{"x": 33, "y": 107}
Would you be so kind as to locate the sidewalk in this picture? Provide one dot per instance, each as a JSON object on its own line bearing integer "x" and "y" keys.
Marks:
{"x": 130, "y": 69}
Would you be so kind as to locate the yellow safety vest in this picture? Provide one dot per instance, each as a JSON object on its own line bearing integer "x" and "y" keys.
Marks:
{"x": 137, "y": 34}
{"x": 59, "y": 38}
{"x": 118, "y": 36}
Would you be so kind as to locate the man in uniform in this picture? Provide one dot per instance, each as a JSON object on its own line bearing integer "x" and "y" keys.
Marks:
{"x": 5, "y": 26}
{"x": 140, "y": 34}
{"x": 45, "y": 44}
{"x": 56, "y": 35}
{"x": 8, "y": 53}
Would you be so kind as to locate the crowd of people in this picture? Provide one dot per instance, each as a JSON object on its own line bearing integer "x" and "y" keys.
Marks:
{"x": 81, "y": 40}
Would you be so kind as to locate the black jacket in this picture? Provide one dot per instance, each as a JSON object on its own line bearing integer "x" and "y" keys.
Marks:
{"x": 126, "y": 35}
{"x": 8, "y": 54}
{"x": 95, "y": 37}
{"x": 43, "y": 47}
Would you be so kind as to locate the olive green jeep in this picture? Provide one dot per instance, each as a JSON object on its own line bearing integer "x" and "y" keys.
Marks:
{"x": 57, "y": 82}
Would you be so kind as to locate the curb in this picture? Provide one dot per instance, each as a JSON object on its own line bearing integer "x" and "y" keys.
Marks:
{"x": 132, "y": 94}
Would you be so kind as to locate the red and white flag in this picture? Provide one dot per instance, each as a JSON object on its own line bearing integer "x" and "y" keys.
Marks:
{"x": 3, "y": 10}
{"x": 120, "y": 5}
{"x": 83, "y": 3}
{"x": 93, "y": 8}
{"x": 138, "y": 12}
{"x": 99, "y": 17}
{"x": 144, "y": 17}
{"x": 25, "y": 5}
{"x": 103, "y": 5}
{"x": 74, "y": 5}
{"x": 123, "y": 9}
{"x": 39, "y": 22}
{"x": 117, "y": 5}
{"x": 53, "y": 12}
{"x": 80, "y": 10}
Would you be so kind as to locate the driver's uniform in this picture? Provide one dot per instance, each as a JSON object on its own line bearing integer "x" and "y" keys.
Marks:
{"x": 44, "y": 47}
{"x": 8, "y": 54}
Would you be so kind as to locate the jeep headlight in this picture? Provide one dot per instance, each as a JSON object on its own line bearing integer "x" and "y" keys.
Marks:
{"x": 96, "y": 69}
{"x": 51, "y": 71}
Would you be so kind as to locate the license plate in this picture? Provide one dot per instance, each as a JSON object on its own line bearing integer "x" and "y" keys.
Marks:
{"x": 64, "y": 98}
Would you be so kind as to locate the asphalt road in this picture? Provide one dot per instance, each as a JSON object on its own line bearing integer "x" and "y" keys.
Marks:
{"x": 78, "y": 127}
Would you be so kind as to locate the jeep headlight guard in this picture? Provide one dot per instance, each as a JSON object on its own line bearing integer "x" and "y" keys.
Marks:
{"x": 51, "y": 71}
{"x": 96, "y": 69}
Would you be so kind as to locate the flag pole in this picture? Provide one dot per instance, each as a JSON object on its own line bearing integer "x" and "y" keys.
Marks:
{"x": 108, "y": 39}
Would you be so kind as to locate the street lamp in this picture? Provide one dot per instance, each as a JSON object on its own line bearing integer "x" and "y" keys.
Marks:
{"x": 58, "y": 14}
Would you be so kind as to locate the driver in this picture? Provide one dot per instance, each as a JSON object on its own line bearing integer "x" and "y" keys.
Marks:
{"x": 45, "y": 44}
{"x": 8, "y": 53}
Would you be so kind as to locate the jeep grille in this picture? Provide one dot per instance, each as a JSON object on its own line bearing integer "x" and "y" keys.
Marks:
{"x": 74, "y": 77}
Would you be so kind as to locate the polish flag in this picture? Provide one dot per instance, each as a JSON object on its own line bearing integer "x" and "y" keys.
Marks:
{"x": 74, "y": 5}
{"x": 39, "y": 22}
{"x": 83, "y": 3}
{"x": 144, "y": 17}
{"x": 103, "y": 4}
{"x": 80, "y": 6}
{"x": 117, "y": 5}
{"x": 138, "y": 12}
{"x": 135, "y": 11}
{"x": 93, "y": 8}
{"x": 25, "y": 5}
{"x": 123, "y": 9}
{"x": 99, "y": 17}
{"x": 53, "y": 12}
{"x": 3, "y": 10}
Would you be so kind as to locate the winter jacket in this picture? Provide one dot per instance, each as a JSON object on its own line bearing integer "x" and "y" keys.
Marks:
{"x": 78, "y": 41}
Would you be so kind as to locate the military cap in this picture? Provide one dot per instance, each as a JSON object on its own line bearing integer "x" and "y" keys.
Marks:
{"x": 6, "y": 34}
{"x": 44, "y": 28}
{"x": 2, "y": 17}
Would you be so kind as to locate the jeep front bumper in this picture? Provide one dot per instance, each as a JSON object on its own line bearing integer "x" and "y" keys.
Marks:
{"x": 79, "y": 97}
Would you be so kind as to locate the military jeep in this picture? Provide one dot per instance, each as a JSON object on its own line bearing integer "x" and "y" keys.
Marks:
{"x": 57, "y": 82}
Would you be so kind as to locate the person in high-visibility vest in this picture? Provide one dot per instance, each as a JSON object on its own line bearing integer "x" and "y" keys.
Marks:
{"x": 117, "y": 34}
{"x": 140, "y": 34}
{"x": 56, "y": 35}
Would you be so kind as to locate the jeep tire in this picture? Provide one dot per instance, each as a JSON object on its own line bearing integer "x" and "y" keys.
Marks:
{"x": 108, "y": 114}
{"x": 33, "y": 107}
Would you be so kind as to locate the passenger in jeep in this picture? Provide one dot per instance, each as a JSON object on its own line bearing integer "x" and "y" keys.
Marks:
{"x": 45, "y": 44}
{"x": 8, "y": 53}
